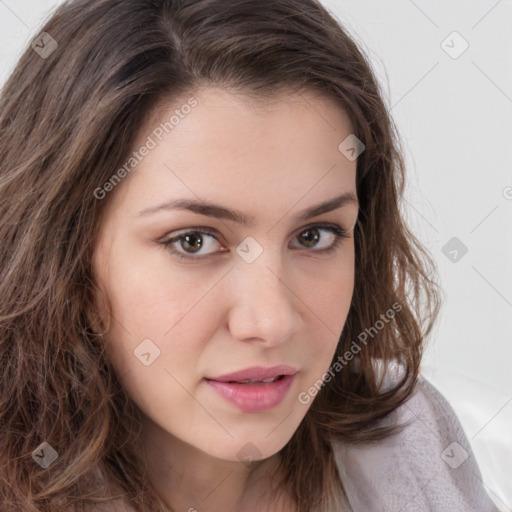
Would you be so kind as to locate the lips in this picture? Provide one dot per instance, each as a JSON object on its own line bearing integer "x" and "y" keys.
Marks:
{"x": 256, "y": 374}
{"x": 255, "y": 397}
{"x": 255, "y": 389}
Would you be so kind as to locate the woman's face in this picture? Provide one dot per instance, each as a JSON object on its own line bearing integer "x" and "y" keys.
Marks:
{"x": 273, "y": 291}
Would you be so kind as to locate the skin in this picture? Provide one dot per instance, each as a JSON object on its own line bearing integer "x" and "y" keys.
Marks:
{"x": 270, "y": 161}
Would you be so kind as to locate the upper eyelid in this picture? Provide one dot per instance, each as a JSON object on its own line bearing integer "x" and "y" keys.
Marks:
{"x": 214, "y": 233}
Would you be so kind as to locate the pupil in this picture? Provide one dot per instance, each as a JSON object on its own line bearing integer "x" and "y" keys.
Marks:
{"x": 195, "y": 241}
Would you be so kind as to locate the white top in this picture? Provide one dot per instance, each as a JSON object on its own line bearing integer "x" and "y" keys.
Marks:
{"x": 428, "y": 467}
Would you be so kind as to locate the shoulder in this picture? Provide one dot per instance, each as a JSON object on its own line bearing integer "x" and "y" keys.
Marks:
{"x": 429, "y": 465}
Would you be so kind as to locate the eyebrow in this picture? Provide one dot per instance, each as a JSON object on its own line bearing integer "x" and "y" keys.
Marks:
{"x": 221, "y": 212}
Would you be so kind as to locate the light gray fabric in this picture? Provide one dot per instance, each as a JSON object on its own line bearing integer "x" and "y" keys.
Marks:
{"x": 428, "y": 467}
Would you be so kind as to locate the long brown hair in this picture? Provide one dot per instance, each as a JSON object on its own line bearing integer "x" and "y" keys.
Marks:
{"x": 69, "y": 115}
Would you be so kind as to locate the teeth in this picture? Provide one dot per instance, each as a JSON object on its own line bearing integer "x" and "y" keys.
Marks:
{"x": 271, "y": 379}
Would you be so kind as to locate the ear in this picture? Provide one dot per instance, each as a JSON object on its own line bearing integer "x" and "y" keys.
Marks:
{"x": 98, "y": 314}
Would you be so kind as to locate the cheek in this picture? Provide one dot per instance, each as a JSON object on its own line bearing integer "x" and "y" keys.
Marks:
{"x": 163, "y": 304}
{"x": 329, "y": 294}
{"x": 332, "y": 299}
{"x": 161, "y": 318}
{"x": 147, "y": 294}
{"x": 328, "y": 301}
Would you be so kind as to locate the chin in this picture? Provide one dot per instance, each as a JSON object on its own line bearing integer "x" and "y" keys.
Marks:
{"x": 249, "y": 449}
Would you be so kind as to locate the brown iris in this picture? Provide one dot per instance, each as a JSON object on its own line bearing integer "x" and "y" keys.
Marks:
{"x": 194, "y": 240}
{"x": 310, "y": 239}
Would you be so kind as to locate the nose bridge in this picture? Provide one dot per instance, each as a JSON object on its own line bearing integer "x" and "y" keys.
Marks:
{"x": 264, "y": 276}
{"x": 263, "y": 306}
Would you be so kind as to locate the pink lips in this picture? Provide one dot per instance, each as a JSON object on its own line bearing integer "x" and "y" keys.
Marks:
{"x": 257, "y": 396}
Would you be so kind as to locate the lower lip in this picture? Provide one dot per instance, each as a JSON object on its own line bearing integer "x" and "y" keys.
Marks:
{"x": 256, "y": 397}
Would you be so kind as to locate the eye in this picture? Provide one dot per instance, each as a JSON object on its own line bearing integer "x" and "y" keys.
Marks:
{"x": 312, "y": 235}
{"x": 192, "y": 243}
{"x": 199, "y": 244}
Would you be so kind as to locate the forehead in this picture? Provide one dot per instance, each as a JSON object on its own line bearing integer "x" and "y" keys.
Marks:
{"x": 233, "y": 148}
{"x": 265, "y": 101}
{"x": 222, "y": 108}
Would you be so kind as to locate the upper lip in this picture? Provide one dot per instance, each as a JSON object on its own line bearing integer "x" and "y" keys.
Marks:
{"x": 256, "y": 373}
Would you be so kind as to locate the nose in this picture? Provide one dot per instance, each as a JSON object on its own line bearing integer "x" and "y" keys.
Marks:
{"x": 264, "y": 306}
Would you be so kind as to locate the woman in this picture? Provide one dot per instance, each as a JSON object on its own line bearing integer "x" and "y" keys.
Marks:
{"x": 210, "y": 298}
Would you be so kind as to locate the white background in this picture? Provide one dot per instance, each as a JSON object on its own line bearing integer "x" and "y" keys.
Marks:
{"x": 454, "y": 116}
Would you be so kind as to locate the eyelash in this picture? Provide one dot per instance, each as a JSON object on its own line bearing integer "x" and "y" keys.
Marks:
{"x": 333, "y": 228}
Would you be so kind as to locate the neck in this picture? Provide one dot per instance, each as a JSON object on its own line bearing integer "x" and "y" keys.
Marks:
{"x": 189, "y": 479}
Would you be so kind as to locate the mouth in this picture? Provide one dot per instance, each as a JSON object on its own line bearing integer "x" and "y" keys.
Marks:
{"x": 256, "y": 381}
{"x": 253, "y": 395}
{"x": 256, "y": 374}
